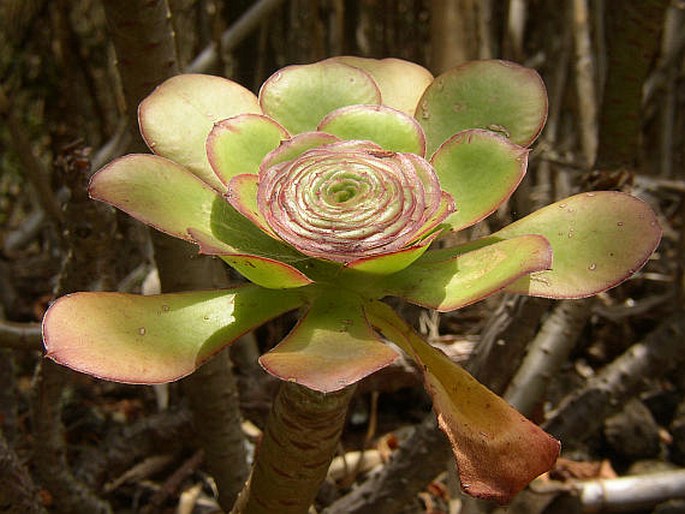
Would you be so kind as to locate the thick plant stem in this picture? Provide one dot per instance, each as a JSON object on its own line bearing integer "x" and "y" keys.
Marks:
{"x": 213, "y": 395}
{"x": 144, "y": 41}
{"x": 297, "y": 447}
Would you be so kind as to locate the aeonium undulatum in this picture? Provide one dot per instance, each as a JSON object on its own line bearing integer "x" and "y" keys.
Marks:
{"x": 326, "y": 191}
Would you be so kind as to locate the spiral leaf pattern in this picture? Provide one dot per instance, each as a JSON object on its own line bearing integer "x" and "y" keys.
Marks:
{"x": 349, "y": 200}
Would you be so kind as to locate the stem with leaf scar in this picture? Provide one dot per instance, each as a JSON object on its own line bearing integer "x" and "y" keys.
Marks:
{"x": 296, "y": 449}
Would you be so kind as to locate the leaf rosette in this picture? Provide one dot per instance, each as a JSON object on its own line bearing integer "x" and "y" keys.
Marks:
{"x": 326, "y": 191}
{"x": 350, "y": 200}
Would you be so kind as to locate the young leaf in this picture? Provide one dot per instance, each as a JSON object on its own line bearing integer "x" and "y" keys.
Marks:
{"x": 392, "y": 262}
{"x": 389, "y": 128}
{"x": 296, "y": 146}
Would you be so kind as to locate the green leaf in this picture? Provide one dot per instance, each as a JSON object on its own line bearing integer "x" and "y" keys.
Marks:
{"x": 449, "y": 279}
{"x": 231, "y": 227}
{"x": 157, "y": 192}
{"x": 495, "y": 95}
{"x": 263, "y": 271}
{"x": 332, "y": 347}
{"x": 176, "y": 118}
{"x": 480, "y": 169}
{"x": 242, "y": 195}
{"x": 392, "y": 262}
{"x": 239, "y": 144}
{"x": 435, "y": 223}
{"x": 299, "y": 96}
{"x": 163, "y": 194}
{"x": 390, "y": 128}
{"x": 296, "y": 146}
{"x": 598, "y": 239}
{"x": 401, "y": 82}
{"x": 498, "y": 451}
{"x": 153, "y": 339}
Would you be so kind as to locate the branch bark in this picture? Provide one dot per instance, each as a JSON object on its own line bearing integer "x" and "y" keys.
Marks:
{"x": 18, "y": 493}
{"x": 546, "y": 353}
{"x": 632, "y": 42}
{"x": 87, "y": 230}
{"x": 234, "y": 35}
{"x": 418, "y": 461}
{"x": 20, "y": 336}
{"x": 580, "y": 414}
{"x": 35, "y": 172}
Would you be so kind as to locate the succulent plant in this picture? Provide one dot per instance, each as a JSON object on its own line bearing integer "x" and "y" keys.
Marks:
{"x": 326, "y": 192}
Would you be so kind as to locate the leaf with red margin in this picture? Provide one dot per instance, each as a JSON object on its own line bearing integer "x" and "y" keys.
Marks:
{"x": 168, "y": 197}
{"x": 242, "y": 195}
{"x": 154, "y": 339}
{"x": 599, "y": 240}
{"x": 263, "y": 271}
{"x": 498, "y": 451}
{"x": 451, "y": 278}
{"x": 332, "y": 347}
{"x": 481, "y": 170}
{"x": 392, "y": 262}
{"x": 391, "y": 129}
{"x": 238, "y": 145}
{"x": 299, "y": 96}
{"x": 157, "y": 192}
{"x": 401, "y": 82}
{"x": 500, "y": 96}
{"x": 296, "y": 146}
{"x": 177, "y": 116}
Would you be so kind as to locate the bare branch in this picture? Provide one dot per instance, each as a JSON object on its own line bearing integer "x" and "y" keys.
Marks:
{"x": 21, "y": 336}
{"x": 584, "y": 411}
{"x": 234, "y": 35}
{"x": 546, "y": 353}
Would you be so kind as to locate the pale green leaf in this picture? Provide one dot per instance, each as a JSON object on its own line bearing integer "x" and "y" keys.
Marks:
{"x": 176, "y": 118}
{"x": 152, "y": 339}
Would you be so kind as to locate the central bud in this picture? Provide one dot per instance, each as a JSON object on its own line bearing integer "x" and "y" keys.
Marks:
{"x": 350, "y": 200}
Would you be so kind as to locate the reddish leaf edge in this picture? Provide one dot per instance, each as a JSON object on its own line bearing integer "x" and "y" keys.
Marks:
{"x": 476, "y": 479}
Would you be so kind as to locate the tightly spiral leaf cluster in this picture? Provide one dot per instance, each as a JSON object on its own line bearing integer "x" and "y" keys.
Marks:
{"x": 350, "y": 200}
